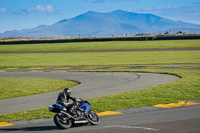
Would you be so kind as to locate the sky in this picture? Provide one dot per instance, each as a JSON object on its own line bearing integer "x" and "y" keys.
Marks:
{"x": 27, "y": 14}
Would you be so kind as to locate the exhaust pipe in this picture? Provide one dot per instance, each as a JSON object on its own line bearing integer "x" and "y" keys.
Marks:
{"x": 67, "y": 114}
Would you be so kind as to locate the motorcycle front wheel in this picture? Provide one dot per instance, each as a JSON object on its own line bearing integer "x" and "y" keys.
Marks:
{"x": 62, "y": 122}
{"x": 93, "y": 118}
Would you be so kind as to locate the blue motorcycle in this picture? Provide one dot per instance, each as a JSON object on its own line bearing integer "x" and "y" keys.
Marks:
{"x": 83, "y": 115}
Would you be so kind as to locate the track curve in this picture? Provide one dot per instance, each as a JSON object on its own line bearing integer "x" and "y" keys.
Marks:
{"x": 93, "y": 84}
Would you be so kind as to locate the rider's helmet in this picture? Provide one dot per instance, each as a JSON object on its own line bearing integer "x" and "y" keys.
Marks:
{"x": 67, "y": 92}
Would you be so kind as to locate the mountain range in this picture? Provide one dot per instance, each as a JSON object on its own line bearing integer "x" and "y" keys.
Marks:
{"x": 115, "y": 23}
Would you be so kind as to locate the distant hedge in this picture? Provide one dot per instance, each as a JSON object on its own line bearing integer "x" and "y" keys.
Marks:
{"x": 89, "y": 39}
{"x": 178, "y": 37}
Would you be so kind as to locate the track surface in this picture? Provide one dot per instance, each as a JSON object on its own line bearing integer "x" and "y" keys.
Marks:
{"x": 93, "y": 84}
{"x": 109, "y": 50}
{"x": 175, "y": 120}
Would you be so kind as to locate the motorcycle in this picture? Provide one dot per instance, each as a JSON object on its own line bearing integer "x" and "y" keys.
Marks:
{"x": 83, "y": 115}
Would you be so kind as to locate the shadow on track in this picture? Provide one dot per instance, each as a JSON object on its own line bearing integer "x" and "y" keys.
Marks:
{"x": 38, "y": 128}
{"x": 42, "y": 128}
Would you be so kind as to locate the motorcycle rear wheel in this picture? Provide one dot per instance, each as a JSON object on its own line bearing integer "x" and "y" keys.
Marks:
{"x": 62, "y": 122}
{"x": 93, "y": 118}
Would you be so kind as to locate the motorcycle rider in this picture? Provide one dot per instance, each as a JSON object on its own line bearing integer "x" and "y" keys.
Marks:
{"x": 63, "y": 99}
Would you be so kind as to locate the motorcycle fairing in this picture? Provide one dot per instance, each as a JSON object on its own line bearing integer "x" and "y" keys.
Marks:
{"x": 85, "y": 107}
{"x": 56, "y": 108}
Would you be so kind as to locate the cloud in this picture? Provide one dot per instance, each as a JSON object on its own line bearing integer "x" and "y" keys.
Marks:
{"x": 103, "y": 1}
{"x": 49, "y": 9}
{"x": 3, "y": 10}
{"x": 40, "y": 8}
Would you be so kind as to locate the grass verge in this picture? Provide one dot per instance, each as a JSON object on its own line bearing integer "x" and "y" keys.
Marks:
{"x": 17, "y": 87}
{"x": 186, "y": 88}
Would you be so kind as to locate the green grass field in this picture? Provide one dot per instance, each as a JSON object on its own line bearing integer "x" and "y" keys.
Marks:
{"x": 14, "y": 87}
{"x": 186, "y": 88}
{"x": 101, "y": 45}
{"x": 98, "y": 59}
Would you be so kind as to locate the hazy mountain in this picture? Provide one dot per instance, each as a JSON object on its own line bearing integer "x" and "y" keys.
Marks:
{"x": 105, "y": 24}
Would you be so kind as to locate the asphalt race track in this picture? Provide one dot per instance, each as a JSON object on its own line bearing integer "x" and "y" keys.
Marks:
{"x": 175, "y": 120}
{"x": 96, "y": 84}
{"x": 93, "y": 84}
